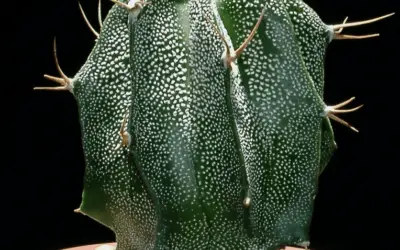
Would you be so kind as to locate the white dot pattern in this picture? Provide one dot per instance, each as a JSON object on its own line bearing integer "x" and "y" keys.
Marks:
{"x": 114, "y": 194}
{"x": 219, "y": 158}
{"x": 313, "y": 36}
{"x": 184, "y": 129}
{"x": 278, "y": 113}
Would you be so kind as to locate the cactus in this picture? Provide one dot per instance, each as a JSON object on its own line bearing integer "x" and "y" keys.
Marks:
{"x": 203, "y": 122}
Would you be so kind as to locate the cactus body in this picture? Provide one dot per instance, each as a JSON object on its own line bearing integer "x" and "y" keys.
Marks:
{"x": 114, "y": 193}
{"x": 283, "y": 151}
{"x": 183, "y": 129}
{"x": 190, "y": 146}
{"x": 313, "y": 36}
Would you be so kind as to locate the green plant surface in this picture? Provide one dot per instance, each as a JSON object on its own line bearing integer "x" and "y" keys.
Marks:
{"x": 204, "y": 124}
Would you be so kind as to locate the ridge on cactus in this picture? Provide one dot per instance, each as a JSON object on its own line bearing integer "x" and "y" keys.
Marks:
{"x": 204, "y": 124}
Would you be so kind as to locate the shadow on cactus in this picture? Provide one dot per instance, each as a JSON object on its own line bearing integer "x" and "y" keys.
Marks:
{"x": 204, "y": 124}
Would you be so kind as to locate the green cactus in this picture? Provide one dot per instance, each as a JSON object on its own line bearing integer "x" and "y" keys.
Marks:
{"x": 204, "y": 124}
{"x": 114, "y": 194}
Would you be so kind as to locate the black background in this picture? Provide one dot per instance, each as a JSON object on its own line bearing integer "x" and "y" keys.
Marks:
{"x": 42, "y": 179}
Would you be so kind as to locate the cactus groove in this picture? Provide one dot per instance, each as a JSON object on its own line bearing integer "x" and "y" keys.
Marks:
{"x": 203, "y": 122}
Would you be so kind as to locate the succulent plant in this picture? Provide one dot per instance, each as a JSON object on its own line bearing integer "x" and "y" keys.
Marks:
{"x": 203, "y": 122}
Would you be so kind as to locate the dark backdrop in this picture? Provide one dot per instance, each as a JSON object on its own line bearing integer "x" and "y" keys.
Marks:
{"x": 42, "y": 181}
